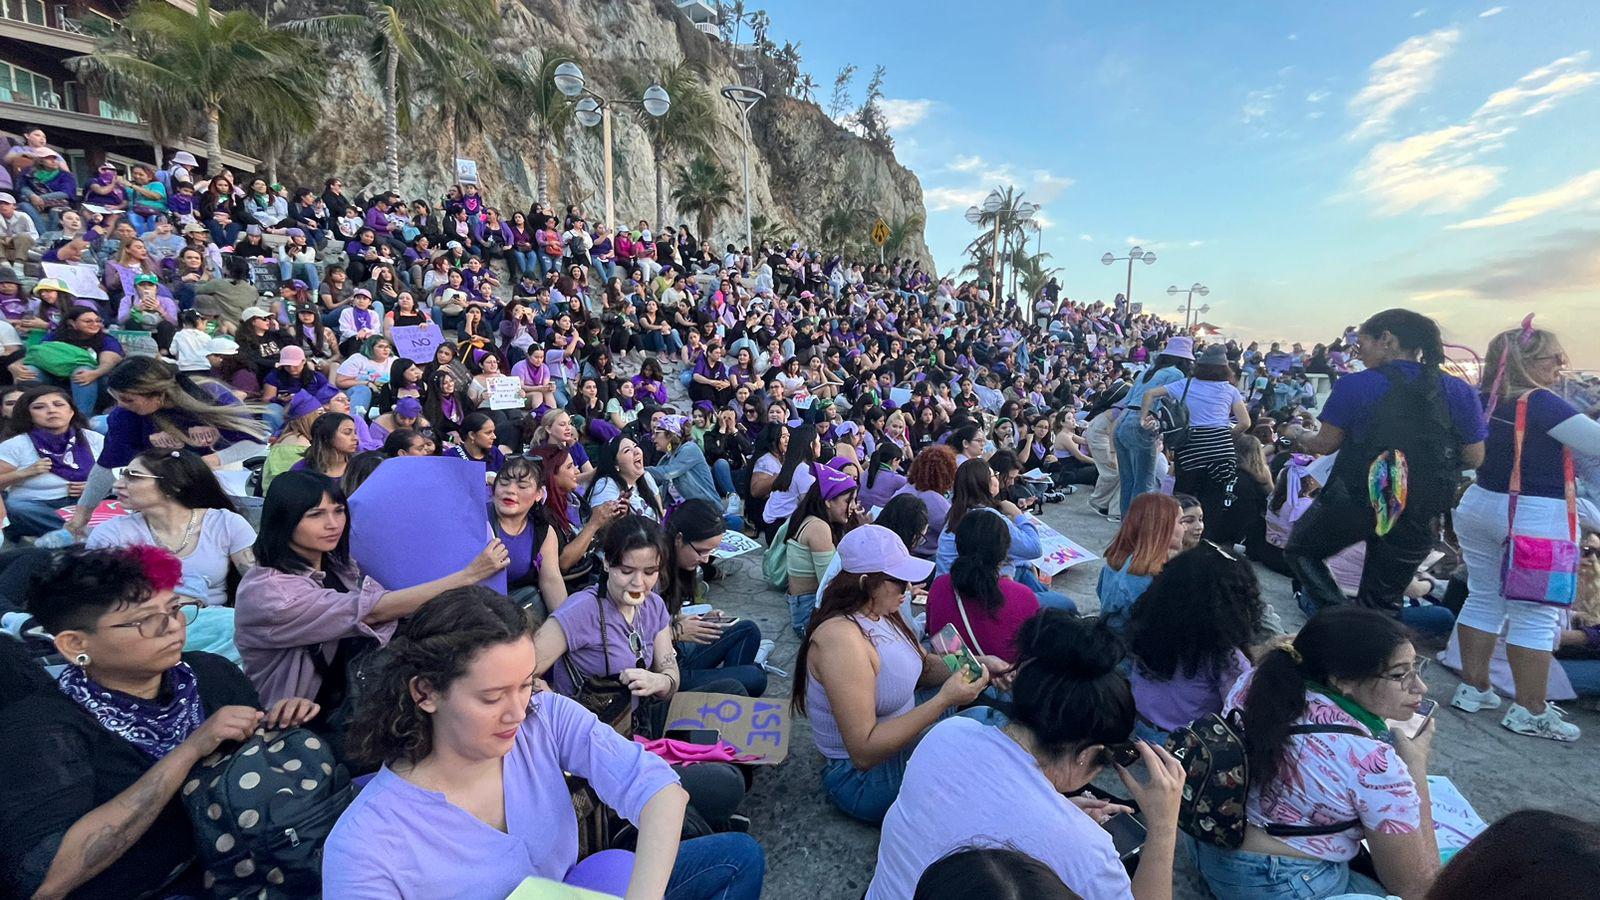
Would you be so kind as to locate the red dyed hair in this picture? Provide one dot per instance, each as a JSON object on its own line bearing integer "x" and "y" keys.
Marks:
{"x": 160, "y": 567}
{"x": 556, "y": 500}
{"x": 1145, "y": 535}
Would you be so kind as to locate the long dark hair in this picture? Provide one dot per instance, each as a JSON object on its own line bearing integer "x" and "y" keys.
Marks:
{"x": 436, "y": 644}
{"x": 1529, "y": 853}
{"x": 1414, "y": 332}
{"x": 1347, "y": 642}
{"x": 802, "y": 451}
{"x": 846, "y": 594}
{"x": 907, "y": 516}
{"x": 886, "y": 453}
{"x": 971, "y": 491}
{"x": 982, "y": 544}
{"x": 291, "y": 495}
{"x": 320, "y": 453}
{"x": 692, "y": 521}
{"x": 605, "y": 466}
{"x": 184, "y": 478}
{"x": 1200, "y": 609}
{"x": 993, "y": 873}
{"x": 21, "y": 421}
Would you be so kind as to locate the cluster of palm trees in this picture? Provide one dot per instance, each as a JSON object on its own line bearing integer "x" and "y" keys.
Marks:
{"x": 1027, "y": 271}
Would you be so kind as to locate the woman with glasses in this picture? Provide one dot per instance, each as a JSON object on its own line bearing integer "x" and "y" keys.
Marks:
{"x": 175, "y": 503}
{"x": 43, "y": 468}
{"x": 712, "y": 645}
{"x": 1522, "y": 367}
{"x": 620, "y": 629}
{"x": 1326, "y": 771}
{"x": 93, "y": 768}
{"x": 1071, "y": 714}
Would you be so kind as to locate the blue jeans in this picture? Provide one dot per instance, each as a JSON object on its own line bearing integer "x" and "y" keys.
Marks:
{"x": 141, "y": 223}
{"x": 360, "y": 398}
{"x": 731, "y": 656}
{"x": 722, "y": 474}
{"x": 1583, "y": 673}
{"x": 306, "y": 272}
{"x": 1136, "y": 458}
{"x": 686, "y": 379}
{"x": 84, "y": 396}
{"x": 800, "y": 609}
{"x": 32, "y": 518}
{"x": 1047, "y": 598}
{"x": 726, "y": 866}
{"x": 865, "y": 795}
{"x": 527, "y": 260}
{"x": 1239, "y": 875}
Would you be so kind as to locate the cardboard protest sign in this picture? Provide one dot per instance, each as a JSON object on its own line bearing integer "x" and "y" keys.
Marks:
{"x": 758, "y": 726}
{"x": 505, "y": 392}
{"x": 1060, "y": 552}
{"x": 734, "y": 543}
{"x": 82, "y": 281}
{"x": 444, "y": 491}
{"x": 416, "y": 342}
{"x": 135, "y": 342}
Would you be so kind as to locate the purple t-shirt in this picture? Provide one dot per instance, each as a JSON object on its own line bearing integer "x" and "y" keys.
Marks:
{"x": 589, "y": 649}
{"x": 1179, "y": 701}
{"x": 1541, "y": 454}
{"x": 1355, "y": 398}
{"x": 403, "y": 841}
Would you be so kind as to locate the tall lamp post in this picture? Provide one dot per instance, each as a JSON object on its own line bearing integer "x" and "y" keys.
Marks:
{"x": 1137, "y": 254}
{"x": 995, "y": 205}
{"x": 594, "y": 110}
{"x": 1188, "y": 305}
{"x": 745, "y": 98}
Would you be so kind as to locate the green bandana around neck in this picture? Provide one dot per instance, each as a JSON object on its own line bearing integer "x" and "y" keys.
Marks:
{"x": 1374, "y": 723}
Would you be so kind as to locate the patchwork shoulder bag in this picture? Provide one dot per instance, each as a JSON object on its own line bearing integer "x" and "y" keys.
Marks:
{"x": 1539, "y": 569}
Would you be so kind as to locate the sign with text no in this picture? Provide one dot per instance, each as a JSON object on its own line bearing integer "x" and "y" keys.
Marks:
{"x": 417, "y": 343}
{"x": 758, "y": 726}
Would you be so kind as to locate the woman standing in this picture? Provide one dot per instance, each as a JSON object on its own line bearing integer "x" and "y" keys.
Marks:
{"x": 45, "y": 466}
{"x": 1533, "y": 433}
{"x": 1206, "y": 463}
{"x": 1135, "y": 436}
{"x": 862, "y": 666}
{"x": 175, "y": 503}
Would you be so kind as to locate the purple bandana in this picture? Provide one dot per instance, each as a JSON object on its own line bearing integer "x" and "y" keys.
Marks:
{"x": 70, "y": 456}
{"x": 155, "y": 726}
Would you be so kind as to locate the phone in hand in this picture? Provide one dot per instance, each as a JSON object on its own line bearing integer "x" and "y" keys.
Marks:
{"x": 706, "y": 736}
{"x": 1127, "y": 834}
{"x": 953, "y": 650}
{"x": 1413, "y": 725}
{"x": 719, "y": 619}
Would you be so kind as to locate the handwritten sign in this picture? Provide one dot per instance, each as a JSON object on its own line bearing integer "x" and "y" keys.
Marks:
{"x": 82, "y": 281}
{"x": 105, "y": 512}
{"x": 417, "y": 343}
{"x": 758, "y": 726}
{"x": 1060, "y": 552}
{"x": 466, "y": 170}
{"x": 734, "y": 543}
{"x": 802, "y": 399}
{"x": 1455, "y": 822}
{"x": 135, "y": 342}
{"x": 505, "y": 392}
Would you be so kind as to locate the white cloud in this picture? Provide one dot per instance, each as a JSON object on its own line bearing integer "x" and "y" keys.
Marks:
{"x": 965, "y": 164}
{"x": 1132, "y": 241}
{"x": 940, "y": 199}
{"x": 899, "y": 114}
{"x": 1197, "y": 243}
{"x": 1491, "y": 11}
{"x": 1420, "y": 13}
{"x": 1257, "y": 105}
{"x": 1399, "y": 77}
{"x": 1047, "y": 186}
{"x": 1572, "y": 192}
{"x": 1317, "y": 96}
{"x": 1045, "y": 222}
{"x": 1442, "y": 170}
{"x": 1086, "y": 237}
{"x": 1294, "y": 36}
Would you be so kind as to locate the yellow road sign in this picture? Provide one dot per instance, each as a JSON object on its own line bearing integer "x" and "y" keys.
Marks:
{"x": 880, "y": 233}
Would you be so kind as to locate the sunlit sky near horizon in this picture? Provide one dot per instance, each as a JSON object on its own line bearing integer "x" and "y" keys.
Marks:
{"x": 1310, "y": 163}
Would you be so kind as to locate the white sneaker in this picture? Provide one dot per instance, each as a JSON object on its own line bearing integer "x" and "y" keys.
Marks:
{"x": 1471, "y": 699}
{"x": 1548, "y": 724}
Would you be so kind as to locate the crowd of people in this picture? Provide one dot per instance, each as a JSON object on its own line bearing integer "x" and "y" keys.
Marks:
{"x": 889, "y": 436}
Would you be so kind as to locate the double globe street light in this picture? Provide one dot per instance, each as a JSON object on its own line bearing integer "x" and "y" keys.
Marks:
{"x": 1137, "y": 254}
{"x": 1188, "y": 308}
{"x": 594, "y": 110}
{"x": 1019, "y": 211}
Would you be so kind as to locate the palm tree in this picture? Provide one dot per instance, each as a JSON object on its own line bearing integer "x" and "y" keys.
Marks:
{"x": 806, "y": 88}
{"x": 688, "y": 127}
{"x": 165, "y": 58}
{"x": 411, "y": 43}
{"x": 901, "y": 231}
{"x": 529, "y": 97}
{"x": 703, "y": 188}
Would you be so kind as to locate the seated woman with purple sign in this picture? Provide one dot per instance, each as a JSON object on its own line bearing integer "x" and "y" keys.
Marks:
{"x": 472, "y": 797}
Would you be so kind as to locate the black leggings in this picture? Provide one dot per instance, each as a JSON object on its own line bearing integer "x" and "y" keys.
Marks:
{"x": 1341, "y": 516}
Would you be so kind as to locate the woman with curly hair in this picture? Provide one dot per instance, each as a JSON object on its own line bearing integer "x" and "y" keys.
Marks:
{"x": 932, "y": 475}
{"x": 1190, "y": 635}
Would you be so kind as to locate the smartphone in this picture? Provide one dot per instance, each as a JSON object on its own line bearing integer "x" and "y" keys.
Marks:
{"x": 719, "y": 619}
{"x": 1127, "y": 834}
{"x": 1411, "y": 726}
{"x": 705, "y": 736}
{"x": 949, "y": 645}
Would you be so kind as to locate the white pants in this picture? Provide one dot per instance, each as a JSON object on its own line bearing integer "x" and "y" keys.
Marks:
{"x": 1482, "y": 527}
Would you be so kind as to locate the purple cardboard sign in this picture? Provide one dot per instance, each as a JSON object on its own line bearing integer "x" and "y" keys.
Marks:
{"x": 444, "y": 496}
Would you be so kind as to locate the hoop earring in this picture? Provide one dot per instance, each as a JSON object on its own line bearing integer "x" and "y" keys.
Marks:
{"x": 82, "y": 659}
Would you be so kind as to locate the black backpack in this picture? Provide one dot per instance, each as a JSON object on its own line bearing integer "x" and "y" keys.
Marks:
{"x": 1216, "y": 780}
{"x": 262, "y": 812}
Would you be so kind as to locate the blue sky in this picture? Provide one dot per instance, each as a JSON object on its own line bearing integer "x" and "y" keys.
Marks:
{"x": 1310, "y": 163}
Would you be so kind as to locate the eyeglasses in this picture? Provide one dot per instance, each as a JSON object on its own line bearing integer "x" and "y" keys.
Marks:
{"x": 705, "y": 552}
{"x": 1415, "y": 671}
{"x": 1124, "y": 754}
{"x": 156, "y": 624}
{"x": 1591, "y": 552}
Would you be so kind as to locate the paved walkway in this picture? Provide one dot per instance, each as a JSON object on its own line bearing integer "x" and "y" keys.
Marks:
{"x": 815, "y": 852}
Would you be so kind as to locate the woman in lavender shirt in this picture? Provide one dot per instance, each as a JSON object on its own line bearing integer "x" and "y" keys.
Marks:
{"x": 471, "y": 798}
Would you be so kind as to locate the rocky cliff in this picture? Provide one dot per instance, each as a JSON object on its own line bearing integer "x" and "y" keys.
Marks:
{"x": 807, "y": 174}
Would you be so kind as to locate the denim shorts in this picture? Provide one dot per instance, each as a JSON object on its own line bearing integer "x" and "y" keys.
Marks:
{"x": 865, "y": 795}
{"x": 1241, "y": 875}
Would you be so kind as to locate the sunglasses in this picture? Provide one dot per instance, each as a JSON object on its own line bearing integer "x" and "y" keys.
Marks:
{"x": 1591, "y": 553}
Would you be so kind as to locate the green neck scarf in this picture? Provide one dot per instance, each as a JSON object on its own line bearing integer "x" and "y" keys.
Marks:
{"x": 1374, "y": 723}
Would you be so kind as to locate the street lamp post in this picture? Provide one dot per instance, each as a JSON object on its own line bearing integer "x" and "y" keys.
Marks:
{"x": 1188, "y": 306}
{"x": 745, "y": 98}
{"x": 1134, "y": 255}
{"x": 594, "y": 110}
{"x": 995, "y": 205}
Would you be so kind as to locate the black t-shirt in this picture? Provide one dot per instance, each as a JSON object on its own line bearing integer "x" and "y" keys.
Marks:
{"x": 60, "y": 764}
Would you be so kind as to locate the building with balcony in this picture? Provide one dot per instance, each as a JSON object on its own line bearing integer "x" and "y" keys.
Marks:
{"x": 704, "y": 15}
{"x": 37, "y": 87}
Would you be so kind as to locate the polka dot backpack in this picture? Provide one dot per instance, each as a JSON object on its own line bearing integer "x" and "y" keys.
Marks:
{"x": 262, "y": 811}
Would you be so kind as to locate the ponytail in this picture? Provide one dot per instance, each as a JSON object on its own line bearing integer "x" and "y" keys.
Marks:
{"x": 1414, "y": 331}
{"x": 983, "y": 543}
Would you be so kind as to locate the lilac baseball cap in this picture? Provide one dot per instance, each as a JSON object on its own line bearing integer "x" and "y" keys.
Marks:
{"x": 874, "y": 548}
